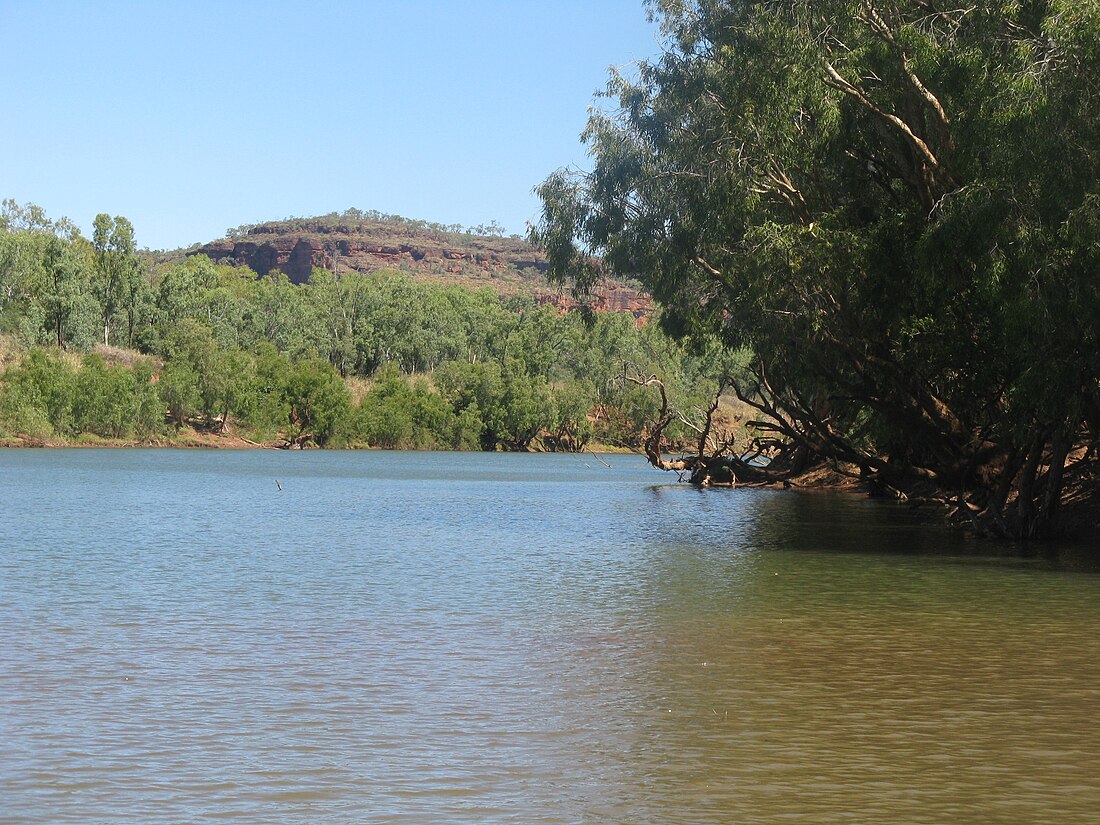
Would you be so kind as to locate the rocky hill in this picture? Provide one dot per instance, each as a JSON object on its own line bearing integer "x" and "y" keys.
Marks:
{"x": 356, "y": 241}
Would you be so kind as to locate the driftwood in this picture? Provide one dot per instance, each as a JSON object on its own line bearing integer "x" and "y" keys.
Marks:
{"x": 717, "y": 461}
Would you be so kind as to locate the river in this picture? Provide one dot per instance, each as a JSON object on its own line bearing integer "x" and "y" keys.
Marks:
{"x": 491, "y": 638}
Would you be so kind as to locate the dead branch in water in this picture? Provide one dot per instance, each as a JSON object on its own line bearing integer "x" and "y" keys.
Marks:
{"x": 716, "y": 460}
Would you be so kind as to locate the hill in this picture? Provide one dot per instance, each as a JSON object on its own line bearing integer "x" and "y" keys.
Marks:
{"x": 356, "y": 241}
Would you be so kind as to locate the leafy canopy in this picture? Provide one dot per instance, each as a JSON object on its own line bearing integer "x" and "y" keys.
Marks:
{"x": 894, "y": 205}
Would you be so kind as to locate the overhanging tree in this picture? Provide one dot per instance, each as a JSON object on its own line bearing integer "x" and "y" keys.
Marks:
{"x": 895, "y": 206}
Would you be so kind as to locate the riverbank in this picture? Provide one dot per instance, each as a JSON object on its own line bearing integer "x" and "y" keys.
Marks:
{"x": 188, "y": 438}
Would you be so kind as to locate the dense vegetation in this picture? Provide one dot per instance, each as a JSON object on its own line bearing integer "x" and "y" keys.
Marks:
{"x": 896, "y": 207}
{"x": 359, "y": 220}
{"x": 111, "y": 345}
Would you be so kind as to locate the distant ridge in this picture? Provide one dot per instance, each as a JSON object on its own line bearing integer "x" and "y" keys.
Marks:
{"x": 356, "y": 241}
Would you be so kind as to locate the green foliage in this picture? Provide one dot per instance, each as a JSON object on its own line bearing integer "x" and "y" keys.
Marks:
{"x": 891, "y": 206}
{"x": 191, "y": 343}
{"x": 179, "y": 389}
{"x": 147, "y": 406}
{"x": 31, "y": 218}
{"x": 36, "y": 397}
{"x": 566, "y": 423}
{"x": 398, "y": 413}
{"x": 475, "y": 391}
{"x": 507, "y": 407}
{"x": 526, "y": 408}
{"x": 268, "y": 411}
{"x": 104, "y": 398}
{"x": 448, "y": 368}
{"x": 117, "y": 282}
{"x": 237, "y": 390}
{"x": 62, "y": 284}
{"x": 317, "y": 402}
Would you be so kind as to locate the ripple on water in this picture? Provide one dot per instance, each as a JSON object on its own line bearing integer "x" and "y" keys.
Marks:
{"x": 519, "y": 639}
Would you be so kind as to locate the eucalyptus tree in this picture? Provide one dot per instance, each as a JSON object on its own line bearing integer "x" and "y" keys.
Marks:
{"x": 118, "y": 280}
{"x": 27, "y": 237}
{"x": 183, "y": 290}
{"x": 32, "y": 218}
{"x": 63, "y": 283}
{"x": 894, "y": 205}
{"x": 336, "y": 303}
{"x": 275, "y": 312}
{"x": 17, "y": 252}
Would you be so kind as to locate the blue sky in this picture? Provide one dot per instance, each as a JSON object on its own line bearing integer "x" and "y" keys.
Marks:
{"x": 193, "y": 117}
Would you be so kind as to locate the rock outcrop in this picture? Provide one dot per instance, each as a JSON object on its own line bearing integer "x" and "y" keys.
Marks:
{"x": 510, "y": 266}
{"x": 296, "y": 253}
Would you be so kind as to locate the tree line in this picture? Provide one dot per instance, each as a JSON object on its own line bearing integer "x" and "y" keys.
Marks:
{"x": 112, "y": 345}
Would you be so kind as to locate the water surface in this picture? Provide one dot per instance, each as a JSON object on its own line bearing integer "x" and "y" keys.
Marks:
{"x": 457, "y": 638}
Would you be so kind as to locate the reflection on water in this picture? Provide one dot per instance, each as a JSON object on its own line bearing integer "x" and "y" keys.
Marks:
{"x": 527, "y": 639}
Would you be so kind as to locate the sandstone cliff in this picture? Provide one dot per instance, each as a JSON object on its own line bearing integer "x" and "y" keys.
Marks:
{"x": 510, "y": 266}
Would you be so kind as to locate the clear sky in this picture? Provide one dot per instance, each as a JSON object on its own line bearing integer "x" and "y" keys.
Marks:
{"x": 193, "y": 117}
